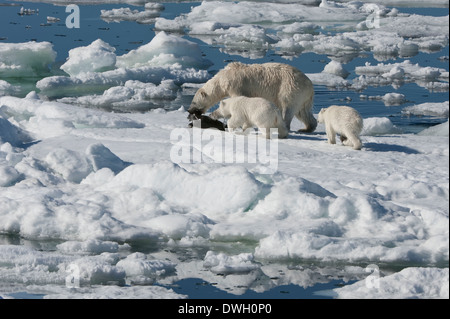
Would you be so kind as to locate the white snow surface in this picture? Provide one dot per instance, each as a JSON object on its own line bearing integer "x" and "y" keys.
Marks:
{"x": 104, "y": 182}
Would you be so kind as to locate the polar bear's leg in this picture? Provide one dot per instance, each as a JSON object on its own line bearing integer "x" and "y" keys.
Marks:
{"x": 288, "y": 115}
{"x": 308, "y": 119}
{"x": 234, "y": 123}
{"x": 355, "y": 142}
{"x": 331, "y": 134}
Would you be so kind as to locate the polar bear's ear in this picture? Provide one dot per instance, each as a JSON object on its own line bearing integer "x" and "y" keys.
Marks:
{"x": 203, "y": 93}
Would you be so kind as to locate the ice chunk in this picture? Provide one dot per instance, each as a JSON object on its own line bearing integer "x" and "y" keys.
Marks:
{"x": 336, "y": 68}
{"x": 378, "y": 125}
{"x": 428, "y": 109}
{"x": 165, "y": 50}
{"x": 90, "y": 246}
{"x": 132, "y": 95}
{"x": 152, "y": 10}
{"x": 29, "y": 59}
{"x": 141, "y": 269}
{"x": 224, "y": 264}
{"x": 99, "y": 56}
{"x": 393, "y": 98}
{"x": 166, "y": 57}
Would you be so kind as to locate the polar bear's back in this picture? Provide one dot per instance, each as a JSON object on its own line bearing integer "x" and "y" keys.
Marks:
{"x": 266, "y": 80}
{"x": 343, "y": 118}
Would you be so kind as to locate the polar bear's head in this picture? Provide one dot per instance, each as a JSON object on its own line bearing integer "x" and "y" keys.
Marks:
{"x": 201, "y": 102}
{"x": 320, "y": 118}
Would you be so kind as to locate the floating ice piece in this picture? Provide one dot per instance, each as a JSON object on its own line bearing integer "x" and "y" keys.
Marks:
{"x": 165, "y": 50}
{"x": 134, "y": 95}
{"x": 139, "y": 268}
{"x": 97, "y": 83}
{"x": 52, "y": 19}
{"x": 165, "y": 57}
{"x": 428, "y": 109}
{"x": 333, "y": 75}
{"x": 126, "y": 14}
{"x": 99, "y": 56}
{"x": 390, "y": 99}
{"x": 414, "y": 71}
{"x": 335, "y": 67}
{"x": 396, "y": 74}
{"x": 224, "y": 264}
{"x": 29, "y": 59}
{"x": 90, "y": 246}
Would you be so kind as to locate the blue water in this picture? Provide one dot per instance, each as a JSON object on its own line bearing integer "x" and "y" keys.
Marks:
{"x": 126, "y": 36}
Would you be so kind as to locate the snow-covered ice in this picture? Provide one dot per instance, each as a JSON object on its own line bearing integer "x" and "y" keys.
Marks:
{"x": 111, "y": 181}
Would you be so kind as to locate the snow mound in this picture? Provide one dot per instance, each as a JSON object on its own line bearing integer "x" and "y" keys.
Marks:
{"x": 437, "y": 130}
{"x": 10, "y": 133}
{"x": 189, "y": 190}
{"x": 378, "y": 125}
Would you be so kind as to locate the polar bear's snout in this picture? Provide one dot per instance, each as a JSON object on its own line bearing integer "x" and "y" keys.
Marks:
{"x": 194, "y": 115}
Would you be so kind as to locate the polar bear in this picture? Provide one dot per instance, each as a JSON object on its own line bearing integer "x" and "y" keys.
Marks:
{"x": 246, "y": 112}
{"x": 344, "y": 121}
{"x": 283, "y": 85}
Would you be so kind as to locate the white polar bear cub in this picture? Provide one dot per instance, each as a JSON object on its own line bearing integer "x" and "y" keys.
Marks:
{"x": 246, "y": 112}
{"x": 345, "y": 121}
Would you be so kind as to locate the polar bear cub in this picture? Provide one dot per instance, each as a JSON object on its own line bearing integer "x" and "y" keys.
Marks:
{"x": 247, "y": 112}
{"x": 342, "y": 120}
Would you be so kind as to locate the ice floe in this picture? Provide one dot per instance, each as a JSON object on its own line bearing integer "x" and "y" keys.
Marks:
{"x": 29, "y": 59}
{"x": 166, "y": 57}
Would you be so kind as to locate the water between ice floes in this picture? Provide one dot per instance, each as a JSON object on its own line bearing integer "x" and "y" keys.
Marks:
{"x": 126, "y": 36}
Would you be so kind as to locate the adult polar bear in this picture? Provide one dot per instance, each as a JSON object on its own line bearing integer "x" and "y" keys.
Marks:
{"x": 283, "y": 85}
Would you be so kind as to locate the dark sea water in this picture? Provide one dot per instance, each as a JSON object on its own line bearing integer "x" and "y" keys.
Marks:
{"x": 128, "y": 35}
